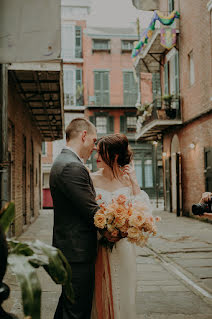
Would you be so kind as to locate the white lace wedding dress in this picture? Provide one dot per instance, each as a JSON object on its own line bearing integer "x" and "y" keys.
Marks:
{"x": 122, "y": 261}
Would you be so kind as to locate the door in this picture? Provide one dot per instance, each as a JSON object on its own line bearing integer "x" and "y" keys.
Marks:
{"x": 178, "y": 185}
{"x": 167, "y": 184}
{"x": 208, "y": 169}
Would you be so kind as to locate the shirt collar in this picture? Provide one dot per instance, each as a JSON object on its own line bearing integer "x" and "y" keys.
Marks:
{"x": 71, "y": 149}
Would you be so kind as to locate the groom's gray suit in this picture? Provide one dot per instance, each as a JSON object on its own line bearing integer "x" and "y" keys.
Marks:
{"x": 74, "y": 232}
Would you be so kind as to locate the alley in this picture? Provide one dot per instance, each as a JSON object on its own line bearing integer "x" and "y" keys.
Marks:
{"x": 174, "y": 277}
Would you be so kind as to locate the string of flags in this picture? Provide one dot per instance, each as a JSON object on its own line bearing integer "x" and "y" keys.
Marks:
{"x": 168, "y": 36}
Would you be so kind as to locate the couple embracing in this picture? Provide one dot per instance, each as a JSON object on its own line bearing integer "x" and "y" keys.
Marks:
{"x": 104, "y": 281}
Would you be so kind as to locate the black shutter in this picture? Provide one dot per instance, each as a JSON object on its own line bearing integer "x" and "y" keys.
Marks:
{"x": 110, "y": 124}
{"x": 122, "y": 124}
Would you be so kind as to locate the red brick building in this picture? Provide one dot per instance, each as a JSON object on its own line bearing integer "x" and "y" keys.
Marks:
{"x": 33, "y": 112}
{"x": 184, "y": 122}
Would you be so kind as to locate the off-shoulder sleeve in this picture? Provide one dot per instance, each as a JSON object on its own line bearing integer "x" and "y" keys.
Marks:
{"x": 143, "y": 198}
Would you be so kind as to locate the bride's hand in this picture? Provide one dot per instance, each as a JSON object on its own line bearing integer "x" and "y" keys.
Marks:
{"x": 129, "y": 171}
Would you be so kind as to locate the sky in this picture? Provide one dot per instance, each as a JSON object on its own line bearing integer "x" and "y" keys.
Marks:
{"x": 116, "y": 13}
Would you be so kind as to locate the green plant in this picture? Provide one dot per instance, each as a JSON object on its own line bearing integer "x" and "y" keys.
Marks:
{"x": 144, "y": 107}
{"x": 25, "y": 257}
{"x": 169, "y": 99}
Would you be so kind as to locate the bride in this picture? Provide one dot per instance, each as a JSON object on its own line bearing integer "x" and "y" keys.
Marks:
{"x": 115, "y": 287}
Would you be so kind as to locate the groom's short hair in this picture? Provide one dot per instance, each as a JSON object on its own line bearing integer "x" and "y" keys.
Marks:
{"x": 78, "y": 125}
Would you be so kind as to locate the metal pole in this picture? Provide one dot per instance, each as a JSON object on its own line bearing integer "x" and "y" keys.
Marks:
{"x": 4, "y": 194}
{"x": 156, "y": 174}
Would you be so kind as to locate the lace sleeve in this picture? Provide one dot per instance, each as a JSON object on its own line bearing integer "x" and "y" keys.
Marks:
{"x": 143, "y": 197}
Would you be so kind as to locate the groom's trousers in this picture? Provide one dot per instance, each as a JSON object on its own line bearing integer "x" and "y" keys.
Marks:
{"x": 83, "y": 276}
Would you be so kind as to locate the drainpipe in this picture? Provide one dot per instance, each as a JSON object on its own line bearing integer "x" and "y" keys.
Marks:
{"x": 4, "y": 194}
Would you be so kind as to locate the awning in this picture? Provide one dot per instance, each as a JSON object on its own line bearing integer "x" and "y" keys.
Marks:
{"x": 149, "y": 60}
{"x": 40, "y": 86}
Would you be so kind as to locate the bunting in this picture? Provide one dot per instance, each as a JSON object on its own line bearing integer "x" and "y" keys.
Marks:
{"x": 147, "y": 34}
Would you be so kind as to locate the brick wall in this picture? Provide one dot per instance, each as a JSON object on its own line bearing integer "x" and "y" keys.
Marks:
{"x": 21, "y": 122}
{"x": 193, "y": 178}
{"x": 195, "y": 35}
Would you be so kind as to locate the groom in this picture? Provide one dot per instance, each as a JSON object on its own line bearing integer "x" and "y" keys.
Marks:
{"x": 74, "y": 208}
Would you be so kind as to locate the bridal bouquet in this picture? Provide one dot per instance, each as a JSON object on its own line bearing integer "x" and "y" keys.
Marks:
{"x": 124, "y": 218}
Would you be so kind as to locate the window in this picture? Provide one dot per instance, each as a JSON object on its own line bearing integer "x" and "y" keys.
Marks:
{"x": 101, "y": 87}
{"x": 79, "y": 88}
{"x": 101, "y": 124}
{"x": 130, "y": 88}
{"x": 156, "y": 88}
{"x": 131, "y": 124}
{"x": 67, "y": 40}
{"x": 69, "y": 80}
{"x": 191, "y": 68}
{"x": 171, "y": 75}
{"x": 101, "y": 45}
{"x": 170, "y": 5}
{"x": 148, "y": 176}
{"x": 78, "y": 42}
{"x": 43, "y": 148}
{"x": 127, "y": 45}
{"x": 128, "y": 123}
{"x": 104, "y": 123}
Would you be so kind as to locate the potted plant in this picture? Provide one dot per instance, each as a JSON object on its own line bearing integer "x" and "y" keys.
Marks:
{"x": 168, "y": 102}
{"x": 24, "y": 258}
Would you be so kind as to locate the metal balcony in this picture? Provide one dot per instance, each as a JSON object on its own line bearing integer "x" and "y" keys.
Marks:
{"x": 158, "y": 117}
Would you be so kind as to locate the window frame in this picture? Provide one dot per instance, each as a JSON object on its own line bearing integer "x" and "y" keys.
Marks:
{"x": 171, "y": 5}
{"x": 100, "y": 91}
{"x": 96, "y": 49}
{"x": 127, "y": 49}
{"x": 128, "y": 91}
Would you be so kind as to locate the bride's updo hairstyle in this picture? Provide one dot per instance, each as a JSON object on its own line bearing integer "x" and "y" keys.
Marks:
{"x": 112, "y": 145}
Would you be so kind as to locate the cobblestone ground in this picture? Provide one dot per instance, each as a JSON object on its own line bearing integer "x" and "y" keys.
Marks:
{"x": 174, "y": 273}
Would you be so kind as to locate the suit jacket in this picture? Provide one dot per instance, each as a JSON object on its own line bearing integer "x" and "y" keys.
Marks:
{"x": 74, "y": 208}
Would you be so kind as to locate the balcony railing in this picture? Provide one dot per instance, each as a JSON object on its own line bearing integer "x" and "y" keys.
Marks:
{"x": 153, "y": 118}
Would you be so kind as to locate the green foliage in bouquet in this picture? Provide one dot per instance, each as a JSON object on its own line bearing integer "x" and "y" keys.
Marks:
{"x": 25, "y": 257}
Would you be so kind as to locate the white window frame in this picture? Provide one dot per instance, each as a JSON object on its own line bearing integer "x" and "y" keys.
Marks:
{"x": 68, "y": 54}
{"x": 68, "y": 68}
{"x": 101, "y": 124}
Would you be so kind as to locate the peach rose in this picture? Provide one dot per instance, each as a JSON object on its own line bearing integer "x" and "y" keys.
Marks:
{"x": 110, "y": 216}
{"x": 110, "y": 227}
{"x": 121, "y": 199}
{"x": 136, "y": 220}
{"x": 100, "y": 220}
{"x": 125, "y": 227}
{"x": 157, "y": 218}
{"x": 119, "y": 221}
{"x": 133, "y": 233}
